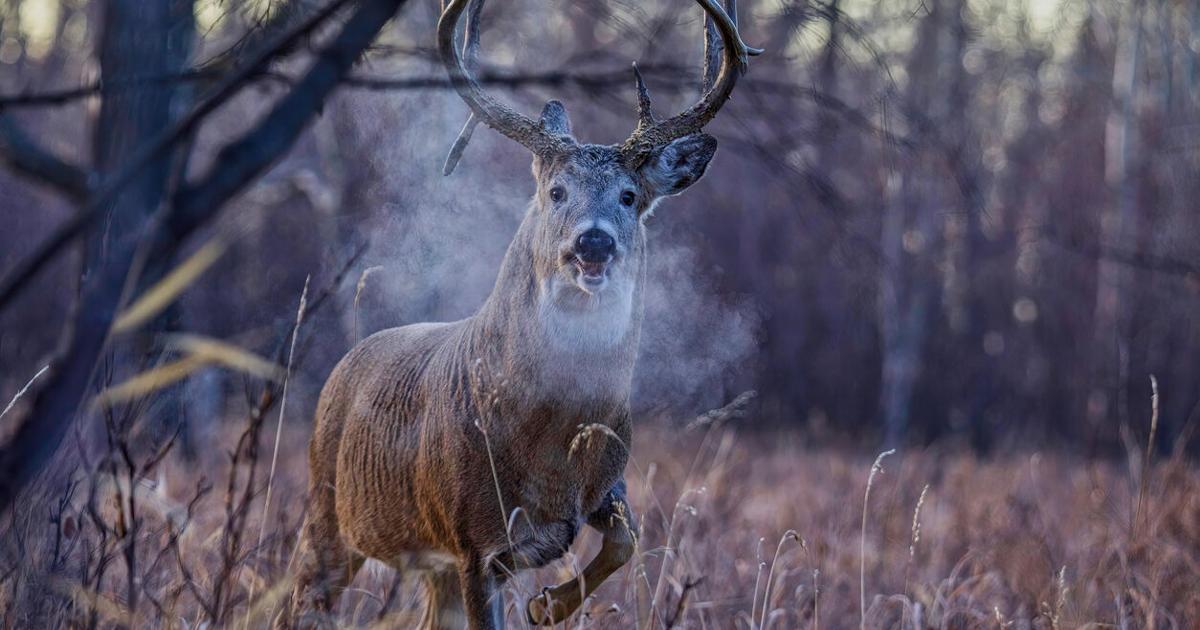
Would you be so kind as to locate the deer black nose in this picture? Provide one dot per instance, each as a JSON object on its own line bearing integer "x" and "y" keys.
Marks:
{"x": 595, "y": 245}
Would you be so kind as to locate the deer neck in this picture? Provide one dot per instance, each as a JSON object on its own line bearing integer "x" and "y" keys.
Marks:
{"x": 559, "y": 353}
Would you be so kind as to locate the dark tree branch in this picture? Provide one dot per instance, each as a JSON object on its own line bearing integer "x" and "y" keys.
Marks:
{"x": 673, "y": 76}
{"x": 281, "y": 19}
{"x": 1140, "y": 261}
{"x": 589, "y": 80}
{"x": 153, "y": 149}
{"x": 242, "y": 161}
{"x": 598, "y": 79}
{"x": 24, "y": 156}
{"x": 66, "y": 96}
{"x": 54, "y": 405}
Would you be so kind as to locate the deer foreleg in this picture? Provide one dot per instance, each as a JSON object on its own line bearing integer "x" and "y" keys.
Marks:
{"x": 616, "y": 523}
{"x": 481, "y": 596}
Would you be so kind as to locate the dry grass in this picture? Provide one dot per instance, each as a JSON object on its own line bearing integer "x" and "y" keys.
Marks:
{"x": 756, "y": 531}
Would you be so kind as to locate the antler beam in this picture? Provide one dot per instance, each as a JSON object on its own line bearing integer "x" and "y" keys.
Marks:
{"x": 735, "y": 56}
{"x": 488, "y": 110}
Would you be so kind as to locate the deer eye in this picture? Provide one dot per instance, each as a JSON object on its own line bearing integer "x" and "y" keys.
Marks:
{"x": 557, "y": 194}
{"x": 628, "y": 197}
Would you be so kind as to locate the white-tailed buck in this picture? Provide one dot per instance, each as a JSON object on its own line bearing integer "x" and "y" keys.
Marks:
{"x": 454, "y": 448}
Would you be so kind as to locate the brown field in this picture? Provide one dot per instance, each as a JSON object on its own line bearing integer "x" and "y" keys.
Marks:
{"x": 968, "y": 224}
{"x": 755, "y": 531}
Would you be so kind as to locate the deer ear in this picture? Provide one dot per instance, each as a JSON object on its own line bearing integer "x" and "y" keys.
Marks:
{"x": 555, "y": 119}
{"x": 675, "y": 167}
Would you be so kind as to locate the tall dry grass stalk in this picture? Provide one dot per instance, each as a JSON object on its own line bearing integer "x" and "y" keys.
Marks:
{"x": 504, "y": 515}
{"x": 491, "y": 400}
{"x": 758, "y": 562}
{"x": 788, "y": 535}
{"x": 266, "y": 511}
{"x": 914, "y": 537}
{"x": 916, "y": 523}
{"x": 669, "y": 554}
{"x": 816, "y": 575}
{"x": 1149, "y": 454}
{"x": 876, "y": 468}
{"x": 1054, "y": 612}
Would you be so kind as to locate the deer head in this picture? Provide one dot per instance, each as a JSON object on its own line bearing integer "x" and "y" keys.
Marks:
{"x": 591, "y": 200}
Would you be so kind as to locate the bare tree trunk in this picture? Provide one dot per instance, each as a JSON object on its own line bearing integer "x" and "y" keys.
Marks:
{"x": 905, "y": 299}
{"x": 1166, "y": 41}
{"x": 968, "y": 250}
{"x": 1118, "y": 221}
{"x": 142, "y": 39}
{"x": 828, "y": 80}
{"x": 906, "y": 292}
{"x": 1191, "y": 75}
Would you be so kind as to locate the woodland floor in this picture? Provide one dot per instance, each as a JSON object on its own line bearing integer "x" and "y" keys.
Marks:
{"x": 765, "y": 532}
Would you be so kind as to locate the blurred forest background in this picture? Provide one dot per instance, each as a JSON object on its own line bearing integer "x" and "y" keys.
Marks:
{"x": 960, "y": 227}
{"x": 929, "y": 219}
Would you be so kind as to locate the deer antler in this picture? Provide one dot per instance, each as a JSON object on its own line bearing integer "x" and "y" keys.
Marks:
{"x": 718, "y": 83}
{"x": 471, "y": 53}
{"x": 486, "y": 109}
{"x": 718, "y": 86}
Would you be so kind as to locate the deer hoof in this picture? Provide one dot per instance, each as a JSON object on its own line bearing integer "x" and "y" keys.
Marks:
{"x": 544, "y": 610}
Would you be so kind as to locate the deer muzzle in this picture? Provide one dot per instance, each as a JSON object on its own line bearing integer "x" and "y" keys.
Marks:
{"x": 594, "y": 250}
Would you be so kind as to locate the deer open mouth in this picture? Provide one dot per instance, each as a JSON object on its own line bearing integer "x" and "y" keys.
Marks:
{"x": 591, "y": 274}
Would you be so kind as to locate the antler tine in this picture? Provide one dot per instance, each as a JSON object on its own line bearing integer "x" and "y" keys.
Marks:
{"x": 460, "y": 144}
{"x": 487, "y": 109}
{"x": 645, "y": 114}
{"x": 718, "y": 85}
{"x": 471, "y": 53}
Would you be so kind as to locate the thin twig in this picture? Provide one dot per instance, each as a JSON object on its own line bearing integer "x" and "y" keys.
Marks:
{"x": 689, "y": 585}
{"x": 22, "y": 391}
